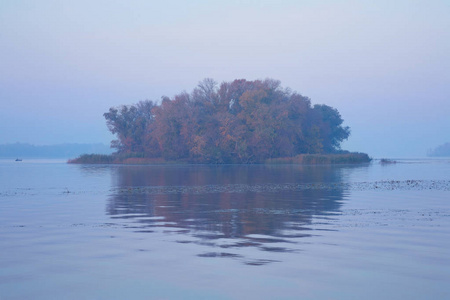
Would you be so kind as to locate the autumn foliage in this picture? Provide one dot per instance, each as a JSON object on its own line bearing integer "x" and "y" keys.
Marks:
{"x": 234, "y": 122}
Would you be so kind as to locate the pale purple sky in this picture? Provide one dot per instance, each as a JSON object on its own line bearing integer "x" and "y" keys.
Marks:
{"x": 385, "y": 65}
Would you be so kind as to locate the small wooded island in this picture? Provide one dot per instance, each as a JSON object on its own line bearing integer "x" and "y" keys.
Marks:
{"x": 238, "y": 122}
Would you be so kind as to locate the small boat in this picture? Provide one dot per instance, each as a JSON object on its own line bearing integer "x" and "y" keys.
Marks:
{"x": 18, "y": 159}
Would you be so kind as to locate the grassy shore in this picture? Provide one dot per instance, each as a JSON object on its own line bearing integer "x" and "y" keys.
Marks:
{"x": 322, "y": 159}
{"x": 307, "y": 159}
{"x": 115, "y": 159}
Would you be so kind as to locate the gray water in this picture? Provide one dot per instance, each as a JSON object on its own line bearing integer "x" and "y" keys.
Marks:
{"x": 224, "y": 232}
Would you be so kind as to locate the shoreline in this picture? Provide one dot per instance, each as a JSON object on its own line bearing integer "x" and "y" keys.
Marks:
{"x": 303, "y": 159}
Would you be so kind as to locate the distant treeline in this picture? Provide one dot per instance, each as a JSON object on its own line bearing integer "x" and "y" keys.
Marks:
{"x": 22, "y": 150}
{"x": 234, "y": 122}
{"x": 442, "y": 150}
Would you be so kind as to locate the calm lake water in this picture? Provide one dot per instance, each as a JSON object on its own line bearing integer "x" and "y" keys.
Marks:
{"x": 225, "y": 232}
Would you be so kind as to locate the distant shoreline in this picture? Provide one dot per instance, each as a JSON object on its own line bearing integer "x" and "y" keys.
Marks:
{"x": 56, "y": 151}
{"x": 305, "y": 159}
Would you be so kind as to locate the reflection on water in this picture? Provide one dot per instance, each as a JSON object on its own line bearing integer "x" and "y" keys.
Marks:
{"x": 190, "y": 232}
{"x": 243, "y": 205}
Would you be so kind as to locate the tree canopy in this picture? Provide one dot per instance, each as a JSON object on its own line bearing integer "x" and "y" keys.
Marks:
{"x": 234, "y": 122}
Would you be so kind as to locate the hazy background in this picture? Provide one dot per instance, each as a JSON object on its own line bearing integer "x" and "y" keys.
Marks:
{"x": 385, "y": 65}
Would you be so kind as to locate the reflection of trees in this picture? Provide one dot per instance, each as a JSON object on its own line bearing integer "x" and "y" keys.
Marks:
{"x": 227, "y": 201}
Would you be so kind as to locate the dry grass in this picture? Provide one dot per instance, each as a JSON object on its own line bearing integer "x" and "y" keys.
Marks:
{"x": 314, "y": 159}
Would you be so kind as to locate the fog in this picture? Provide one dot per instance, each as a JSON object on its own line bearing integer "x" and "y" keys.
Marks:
{"x": 383, "y": 65}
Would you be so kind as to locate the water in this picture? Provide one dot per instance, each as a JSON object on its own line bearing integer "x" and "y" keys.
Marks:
{"x": 224, "y": 232}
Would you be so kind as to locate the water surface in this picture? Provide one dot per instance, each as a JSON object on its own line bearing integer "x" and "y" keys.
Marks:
{"x": 225, "y": 232}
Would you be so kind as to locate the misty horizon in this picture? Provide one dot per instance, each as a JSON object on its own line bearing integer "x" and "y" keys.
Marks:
{"x": 383, "y": 66}
{"x": 62, "y": 151}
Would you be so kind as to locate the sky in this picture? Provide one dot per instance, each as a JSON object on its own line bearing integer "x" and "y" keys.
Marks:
{"x": 385, "y": 65}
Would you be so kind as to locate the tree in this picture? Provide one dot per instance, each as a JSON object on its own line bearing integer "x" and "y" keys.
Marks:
{"x": 237, "y": 122}
{"x": 331, "y": 131}
{"x": 129, "y": 124}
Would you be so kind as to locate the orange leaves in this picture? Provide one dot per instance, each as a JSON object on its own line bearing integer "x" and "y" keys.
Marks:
{"x": 252, "y": 98}
{"x": 238, "y": 122}
{"x": 198, "y": 146}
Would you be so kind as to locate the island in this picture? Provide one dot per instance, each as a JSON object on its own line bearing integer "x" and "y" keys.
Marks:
{"x": 237, "y": 122}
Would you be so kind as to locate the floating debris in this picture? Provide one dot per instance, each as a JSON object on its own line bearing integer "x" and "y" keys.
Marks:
{"x": 385, "y": 161}
{"x": 443, "y": 185}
